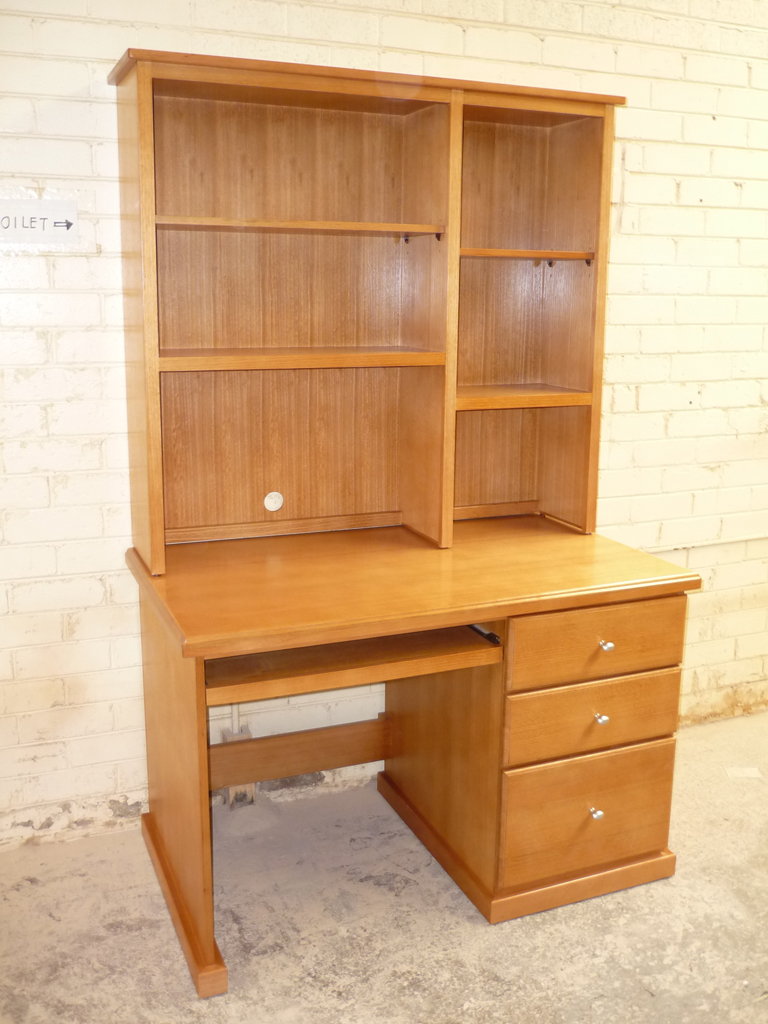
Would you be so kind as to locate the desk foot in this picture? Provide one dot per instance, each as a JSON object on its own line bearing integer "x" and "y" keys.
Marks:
{"x": 208, "y": 973}
{"x": 506, "y": 904}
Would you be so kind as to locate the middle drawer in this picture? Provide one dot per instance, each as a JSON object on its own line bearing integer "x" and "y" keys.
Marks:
{"x": 548, "y": 724}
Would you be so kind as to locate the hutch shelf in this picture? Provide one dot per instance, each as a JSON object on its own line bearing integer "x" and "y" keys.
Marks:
{"x": 364, "y": 334}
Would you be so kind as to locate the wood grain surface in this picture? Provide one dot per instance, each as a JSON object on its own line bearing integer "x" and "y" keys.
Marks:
{"x": 335, "y": 666}
{"x": 547, "y": 825}
{"x": 244, "y": 596}
{"x": 555, "y": 723}
{"x": 564, "y": 647}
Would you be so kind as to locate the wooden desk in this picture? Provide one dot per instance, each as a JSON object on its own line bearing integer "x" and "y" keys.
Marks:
{"x": 490, "y": 750}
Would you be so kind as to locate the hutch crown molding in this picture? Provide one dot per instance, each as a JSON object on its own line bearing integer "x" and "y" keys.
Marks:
{"x": 364, "y": 322}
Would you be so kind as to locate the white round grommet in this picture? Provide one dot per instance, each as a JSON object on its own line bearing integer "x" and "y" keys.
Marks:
{"x": 273, "y": 501}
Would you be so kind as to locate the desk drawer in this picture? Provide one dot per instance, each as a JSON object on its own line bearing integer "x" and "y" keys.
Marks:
{"x": 564, "y": 647}
{"x": 548, "y": 828}
{"x": 554, "y": 723}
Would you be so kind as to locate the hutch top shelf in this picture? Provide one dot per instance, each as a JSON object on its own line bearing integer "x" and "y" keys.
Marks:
{"x": 377, "y": 295}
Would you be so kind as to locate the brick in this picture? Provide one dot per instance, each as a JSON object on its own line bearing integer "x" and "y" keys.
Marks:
{"x": 71, "y": 418}
{"x": 92, "y": 555}
{"x": 721, "y": 501}
{"x": 689, "y": 478}
{"x": 21, "y": 348}
{"x": 625, "y": 280}
{"x": 739, "y": 574}
{"x": 115, "y": 452}
{"x": 87, "y": 272}
{"x": 31, "y": 695}
{"x": 579, "y": 53}
{"x": 709, "y": 192}
{"x": 60, "y": 660}
{"x": 51, "y": 309}
{"x": 638, "y": 369}
{"x": 23, "y": 272}
{"x": 690, "y": 530}
{"x": 700, "y": 67}
{"x": 686, "y": 34}
{"x": 618, "y": 23}
{"x": 708, "y": 252}
{"x": 738, "y": 281}
{"x": 662, "y": 397}
{"x": 110, "y": 747}
{"x": 37, "y": 156}
{"x": 733, "y": 223}
{"x": 502, "y": 44}
{"x": 649, "y": 125}
{"x": 729, "y": 394}
{"x": 49, "y": 524}
{"x": 669, "y": 338}
{"x": 649, "y": 61}
{"x": 749, "y": 421}
{"x": 704, "y": 309}
{"x": 132, "y": 775}
{"x": 97, "y": 346}
{"x": 26, "y": 561}
{"x": 666, "y": 220}
{"x": 126, "y": 651}
{"x": 55, "y": 786}
{"x": 82, "y": 38}
{"x": 466, "y": 10}
{"x": 680, "y": 159}
{"x": 752, "y": 646}
{"x": 50, "y": 383}
{"x": 741, "y": 103}
{"x": 636, "y": 426}
{"x": 684, "y": 97}
{"x": 318, "y": 23}
{"x": 395, "y": 62}
{"x": 420, "y": 34}
{"x": 62, "y": 118}
{"x": 743, "y": 338}
{"x": 50, "y": 455}
{"x": 754, "y": 194}
{"x": 55, "y": 594}
{"x": 752, "y": 311}
{"x": 32, "y": 759}
{"x": 645, "y": 250}
{"x": 709, "y": 130}
{"x": 649, "y": 189}
{"x": 664, "y": 452}
{"x": 655, "y": 507}
{"x": 129, "y": 714}
{"x": 40, "y": 77}
{"x": 700, "y": 366}
{"x": 729, "y": 162}
{"x": 22, "y": 420}
{"x": 109, "y": 685}
{"x": 629, "y": 482}
{"x": 645, "y": 309}
{"x": 105, "y": 621}
{"x": 542, "y": 14}
{"x": 88, "y": 488}
{"x": 24, "y": 630}
{"x": 675, "y": 280}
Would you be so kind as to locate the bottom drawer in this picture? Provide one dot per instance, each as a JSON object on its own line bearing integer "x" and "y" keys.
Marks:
{"x": 549, "y": 826}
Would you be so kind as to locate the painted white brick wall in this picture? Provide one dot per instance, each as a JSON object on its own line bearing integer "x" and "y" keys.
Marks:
{"x": 684, "y": 463}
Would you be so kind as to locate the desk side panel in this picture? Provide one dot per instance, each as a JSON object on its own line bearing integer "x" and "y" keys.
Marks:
{"x": 446, "y": 757}
{"x": 179, "y": 802}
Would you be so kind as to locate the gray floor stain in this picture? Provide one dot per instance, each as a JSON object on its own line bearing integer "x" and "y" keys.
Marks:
{"x": 329, "y": 911}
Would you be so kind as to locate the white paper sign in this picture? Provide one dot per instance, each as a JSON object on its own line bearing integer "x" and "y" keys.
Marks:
{"x": 38, "y": 221}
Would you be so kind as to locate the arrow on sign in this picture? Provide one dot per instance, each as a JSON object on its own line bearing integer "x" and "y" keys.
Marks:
{"x": 63, "y": 223}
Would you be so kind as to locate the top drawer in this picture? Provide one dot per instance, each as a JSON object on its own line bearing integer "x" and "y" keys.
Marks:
{"x": 594, "y": 643}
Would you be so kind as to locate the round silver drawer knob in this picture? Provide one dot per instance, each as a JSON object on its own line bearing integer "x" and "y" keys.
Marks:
{"x": 602, "y": 719}
{"x": 597, "y": 815}
{"x": 606, "y": 645}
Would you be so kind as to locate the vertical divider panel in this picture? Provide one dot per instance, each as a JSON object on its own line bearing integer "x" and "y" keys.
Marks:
{"x": 426, "y": 318}
{"x": 137, "y": 229}
{"x": 602, "y": 254}
{"x": 154, "y": 453}
{"x": 452, "y": 333}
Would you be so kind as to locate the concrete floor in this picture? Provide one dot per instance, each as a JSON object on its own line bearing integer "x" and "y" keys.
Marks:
{"x": 330, "y": 912}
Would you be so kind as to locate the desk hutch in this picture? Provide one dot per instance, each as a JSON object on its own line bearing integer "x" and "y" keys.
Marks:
{"x": 364, "y": 321}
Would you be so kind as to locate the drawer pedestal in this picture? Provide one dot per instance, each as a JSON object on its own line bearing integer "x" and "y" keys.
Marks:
{"x": 540, "y": 785}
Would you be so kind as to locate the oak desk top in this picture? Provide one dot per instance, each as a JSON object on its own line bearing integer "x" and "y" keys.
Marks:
{"x": 243, "y": 596}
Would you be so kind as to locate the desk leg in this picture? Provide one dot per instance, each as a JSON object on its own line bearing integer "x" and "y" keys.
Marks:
{"x": 177, "y": 829}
